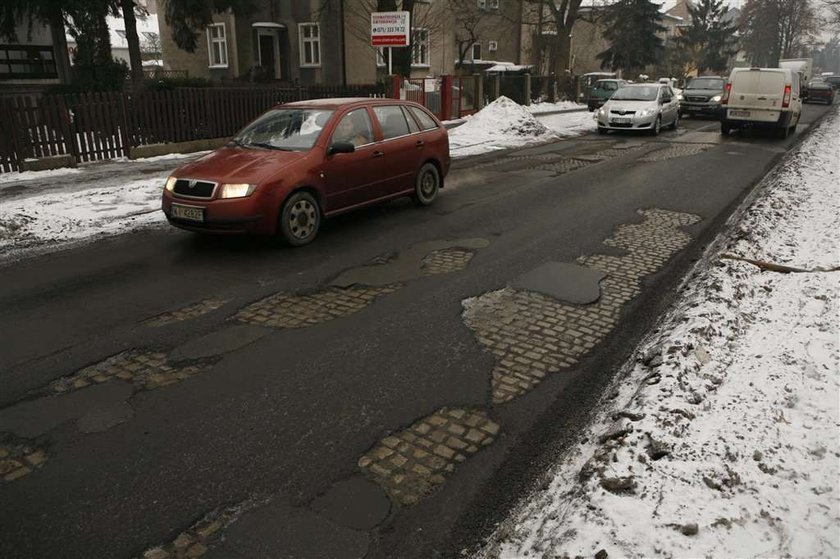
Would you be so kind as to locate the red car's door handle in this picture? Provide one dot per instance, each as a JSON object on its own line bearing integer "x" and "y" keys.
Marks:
{"x": 420, "y": 143}
{"x": 378, "y": 154}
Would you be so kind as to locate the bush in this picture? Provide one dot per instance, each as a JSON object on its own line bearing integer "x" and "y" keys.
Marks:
{"x": 100, "y": 77}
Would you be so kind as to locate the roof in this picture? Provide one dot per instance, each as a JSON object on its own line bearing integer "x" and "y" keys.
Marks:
{"x": 335, "y": 102}
{"x": 508, "y": 67}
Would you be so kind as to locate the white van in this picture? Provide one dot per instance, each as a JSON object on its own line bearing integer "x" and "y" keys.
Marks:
{"x": 761, "y": 97}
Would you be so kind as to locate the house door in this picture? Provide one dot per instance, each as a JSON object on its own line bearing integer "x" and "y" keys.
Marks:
{"x": 267, "y": 59}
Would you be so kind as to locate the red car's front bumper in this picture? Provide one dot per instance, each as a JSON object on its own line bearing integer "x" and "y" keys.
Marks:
{"x": 234, "y": 216}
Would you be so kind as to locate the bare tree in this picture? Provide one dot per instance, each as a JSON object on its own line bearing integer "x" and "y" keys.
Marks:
{"x": 357, "y": 13}
{"x": 774, "y": 29}
{"x": 553, "y": 20}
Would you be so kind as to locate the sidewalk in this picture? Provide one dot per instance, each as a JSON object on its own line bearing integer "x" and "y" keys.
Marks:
{"x": 721, "y": 438}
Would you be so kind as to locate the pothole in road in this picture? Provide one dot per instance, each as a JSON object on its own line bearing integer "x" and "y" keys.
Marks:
{"x": 676, "y": 150}
{"x": 189, "y": 312}
{"x": 446, "y": 260}
{"x": 146, "y": 370}
{"x": 419, "y": 260}
{"x": 412, "y": 463}
{"x": 286, "y": 310}
{"x": 534, "y": 335}
{"x": 196, "y": 540}
{"x": 358, "y": 287}
{"x": 18, "y": 458}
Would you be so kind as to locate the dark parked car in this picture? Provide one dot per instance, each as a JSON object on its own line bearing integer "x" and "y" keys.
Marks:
{"x": 601, "y": 91}
{"x": 701, "y": 96}
{"x": 301, "y": 162}
{"x": 834, "y": 81}
{"x": 819, "y": 91}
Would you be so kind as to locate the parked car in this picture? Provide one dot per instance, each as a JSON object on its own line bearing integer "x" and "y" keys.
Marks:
{"x": 762, "y": 97}
{"x": 833, "y": 80}
{"x": 302, "y": 162}
{"x": 601, "y": 91}
{"x": 819, "y": 91}
{"x": 701, "y": 96}
{"x": 646, "y": 107}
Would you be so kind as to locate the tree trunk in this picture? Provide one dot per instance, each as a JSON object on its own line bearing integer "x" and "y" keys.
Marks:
{"x": 131, "y": 36}
{"x": 59, "y": 41}
{"x": 562, "y": 51}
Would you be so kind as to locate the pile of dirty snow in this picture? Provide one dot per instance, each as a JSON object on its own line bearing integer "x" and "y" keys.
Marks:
{"x": 501, "y": 124}
{"x": 60, "y": 217}
{"x": 721, "y": 437}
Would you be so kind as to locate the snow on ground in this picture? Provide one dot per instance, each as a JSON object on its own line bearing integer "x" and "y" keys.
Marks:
{"x": 13, "y": 176}
{"x": 723, "y": 440}
{"x": 538, "y": 108}
{"x": 570, "y": 124}
{"x": 505, "y": 124}
{"x": 58, "y": 217}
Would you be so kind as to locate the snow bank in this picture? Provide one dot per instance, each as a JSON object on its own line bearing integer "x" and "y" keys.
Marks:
{"x": 14, "y": 176}
{"x": 501, "y": 124}
{"x": 723, "y": 440}
{"x": 537, "y": 108}
{"x": 69, "y": 216}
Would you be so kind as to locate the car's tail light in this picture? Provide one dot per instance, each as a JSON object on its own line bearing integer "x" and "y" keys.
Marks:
{"x": 786, "y": 99}
{"x": 725, "y": 99}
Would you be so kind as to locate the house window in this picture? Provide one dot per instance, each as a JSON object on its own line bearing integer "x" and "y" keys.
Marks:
{"x": 310, "y": 45}
{"x": 217, "y": 45}
{"x": 488, "y": 4}
{"x": 492, "y": 46}
{"x": 476, "y": 51}
{"x": 419, "y": 46}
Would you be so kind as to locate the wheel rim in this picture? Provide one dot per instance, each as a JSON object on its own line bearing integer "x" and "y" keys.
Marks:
{"x": 302, "y": 219}
{"x": 428, "y": 184}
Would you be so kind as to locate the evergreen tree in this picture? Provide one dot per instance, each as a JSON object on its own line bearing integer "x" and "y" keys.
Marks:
{"x": 711, "y": 36}
{"x": 188, "y": 18}
{"x": 631, "y": 29}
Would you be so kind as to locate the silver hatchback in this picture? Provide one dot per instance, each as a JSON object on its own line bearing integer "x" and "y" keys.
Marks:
{"x": 646, "y": 107}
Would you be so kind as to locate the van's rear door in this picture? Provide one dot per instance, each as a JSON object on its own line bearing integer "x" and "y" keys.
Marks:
{"x": 756, "y": 95}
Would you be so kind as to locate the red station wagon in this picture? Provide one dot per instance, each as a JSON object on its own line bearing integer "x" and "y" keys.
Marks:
{"x": 301, "y": 162}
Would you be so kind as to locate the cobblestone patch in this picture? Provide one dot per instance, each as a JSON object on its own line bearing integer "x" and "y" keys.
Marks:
{"x": 615, "y": 151}
{"x": 191, "y": 311}
{"x": 286, "y": 310}
{"x": 446, "y": 260}
{"x": 18, "y": 459}
{"x": 676, "y": 150}
{"x": 197, "y": 540}
{"x": 144, "y": 369}
{"x": 533, "y": 335}
{"x": 564, "y": 165}
{"x": 412, "y": 463}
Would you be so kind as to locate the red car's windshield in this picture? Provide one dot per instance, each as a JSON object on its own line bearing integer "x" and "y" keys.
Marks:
{"x": 285, "y": 129}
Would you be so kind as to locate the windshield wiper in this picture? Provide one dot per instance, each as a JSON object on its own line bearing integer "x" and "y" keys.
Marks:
{"x": 238, "y": 142}
{"x": 266, "y": 145}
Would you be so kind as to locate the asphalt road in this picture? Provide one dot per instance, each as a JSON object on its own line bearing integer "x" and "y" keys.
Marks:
{"x": 278, "y": 425}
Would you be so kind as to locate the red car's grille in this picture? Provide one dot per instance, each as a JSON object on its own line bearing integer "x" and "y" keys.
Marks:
{"x": 194, "y": 188}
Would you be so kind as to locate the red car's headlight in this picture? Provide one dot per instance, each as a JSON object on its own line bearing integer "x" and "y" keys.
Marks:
{"x": 170, "y": 184}
{"x": 236, "y": 190}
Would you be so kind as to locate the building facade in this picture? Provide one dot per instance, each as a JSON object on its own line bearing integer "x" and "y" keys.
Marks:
{"x": 328, "y": 41}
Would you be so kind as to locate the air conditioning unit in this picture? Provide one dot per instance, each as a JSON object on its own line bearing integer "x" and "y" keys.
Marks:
{"x": 492, "y": 46}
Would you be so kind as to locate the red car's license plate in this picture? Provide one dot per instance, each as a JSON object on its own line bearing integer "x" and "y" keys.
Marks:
{"x": 190, "y": 213}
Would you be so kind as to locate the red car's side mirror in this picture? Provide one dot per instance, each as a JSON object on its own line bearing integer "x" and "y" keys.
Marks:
{"x": 341, "y": 147}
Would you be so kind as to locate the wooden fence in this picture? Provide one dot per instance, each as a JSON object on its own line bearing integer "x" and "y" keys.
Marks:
{"x": 96, "y": 126}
